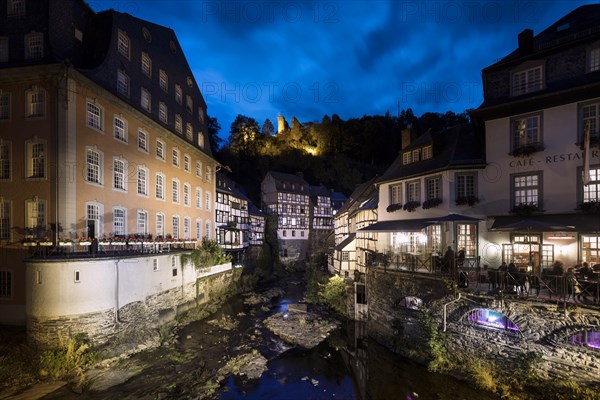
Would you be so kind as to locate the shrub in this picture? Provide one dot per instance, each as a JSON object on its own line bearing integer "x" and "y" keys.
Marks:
{"x": 333, "y": 294}
{"x": 69, "y": 360}
{"x": 207, "y": 255}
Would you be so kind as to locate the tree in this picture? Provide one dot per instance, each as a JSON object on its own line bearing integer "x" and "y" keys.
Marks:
{"x": 243, "y": 132}
{"x": 213, "y": 134}
{"x": 267, "y": 128}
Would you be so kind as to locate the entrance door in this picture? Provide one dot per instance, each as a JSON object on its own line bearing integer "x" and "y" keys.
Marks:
{"x": 91, "y": 228}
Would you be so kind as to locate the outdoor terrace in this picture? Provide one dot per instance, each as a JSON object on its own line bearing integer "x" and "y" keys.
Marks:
{"x": 469, "y": 275}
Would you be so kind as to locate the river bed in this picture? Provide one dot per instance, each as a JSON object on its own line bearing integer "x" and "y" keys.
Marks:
{"x": 345, "y": 366}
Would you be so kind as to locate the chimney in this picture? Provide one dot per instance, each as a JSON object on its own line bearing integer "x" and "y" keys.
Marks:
{"x": 526, "y": 41}
{"x": 407, "y": 136}
{"x": 280, "y": 123}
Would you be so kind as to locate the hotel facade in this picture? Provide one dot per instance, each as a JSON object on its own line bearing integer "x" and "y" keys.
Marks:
{"x": 103, "y": 137}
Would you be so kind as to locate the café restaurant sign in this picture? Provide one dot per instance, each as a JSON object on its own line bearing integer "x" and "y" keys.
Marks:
{"x": 551, "y": 159}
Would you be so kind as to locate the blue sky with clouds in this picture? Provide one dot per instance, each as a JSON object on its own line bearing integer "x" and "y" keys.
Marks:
{"x": 352, "y": 58}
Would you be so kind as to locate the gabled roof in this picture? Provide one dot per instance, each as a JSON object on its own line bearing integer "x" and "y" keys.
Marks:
{"x": 372, "y": 203}
{"x": 280, "y": 178}
{"x": 576, "y": 25}
{"x": 319, "y": 191}
{"x": 361, "y": 193}
{"x": 227, "y": 185}
{"x": 338, "y": 196}
{"x": 456, "y": 147}
{"x": 346, "y": 242}
{"x": 253, "y": 210}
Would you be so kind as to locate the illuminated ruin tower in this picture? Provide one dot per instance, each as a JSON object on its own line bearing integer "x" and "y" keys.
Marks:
{"x": 281, "y": 124}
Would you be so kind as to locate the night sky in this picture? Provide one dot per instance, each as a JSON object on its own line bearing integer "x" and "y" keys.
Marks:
{"x": 351, "y": 58}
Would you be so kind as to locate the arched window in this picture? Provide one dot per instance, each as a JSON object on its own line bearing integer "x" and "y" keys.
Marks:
{"x": 491, "y": 319}
{"x": 589, "y": 338}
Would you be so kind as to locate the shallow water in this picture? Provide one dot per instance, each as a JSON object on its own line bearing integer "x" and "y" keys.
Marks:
{"x": 346, "y": 366}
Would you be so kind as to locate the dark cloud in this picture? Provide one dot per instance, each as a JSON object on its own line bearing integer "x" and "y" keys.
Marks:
{"x": 351, "y": 58}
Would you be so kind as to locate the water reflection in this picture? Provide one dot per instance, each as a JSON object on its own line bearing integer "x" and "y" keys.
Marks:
{"x": 296, "y": 374}
{"x": 348, "y": 366}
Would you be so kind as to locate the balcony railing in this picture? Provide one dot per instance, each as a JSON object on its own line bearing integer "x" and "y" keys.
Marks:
{"x": 421, "y": 262}
{"x": 105, "y": 247}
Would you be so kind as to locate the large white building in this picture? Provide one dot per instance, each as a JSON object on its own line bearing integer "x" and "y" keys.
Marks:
{"x": 537, "y": 102}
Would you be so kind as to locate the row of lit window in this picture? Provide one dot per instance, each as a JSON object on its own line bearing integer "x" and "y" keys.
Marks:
{"x": 423, "y": 153}
{"x": 36, "y": 222}
{"x": 34, "y": 47}
{"x": 122, "y": 175}
{"x": 36, "y": 160}
{"x": 526, "y": 188}
{"x": 528, "y": 130}
{"x": 532, "y": 79}
{"x": 95, "y": 214}
{"x": 124, "y": 48}
{"x": 95, "y": 119}
{"x": 292, "y": 221}
{"x": 292, "y": 197}
{"x": 465, "y": 186}
{"x": 292, "y": 233}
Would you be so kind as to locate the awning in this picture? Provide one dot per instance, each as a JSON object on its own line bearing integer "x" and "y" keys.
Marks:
{"x": 345, "y": 242}
{"x": 401, "y": 225}
{"x": 453, "y": 218}
{"x": 547, "y": 223}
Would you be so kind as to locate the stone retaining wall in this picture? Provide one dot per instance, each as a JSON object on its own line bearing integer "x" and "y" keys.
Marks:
{"x": 544, "y": 327}
{"x": 130, "y": 319}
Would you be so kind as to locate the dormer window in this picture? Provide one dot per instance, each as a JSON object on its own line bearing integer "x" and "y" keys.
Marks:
{"x": 3, "y": 49}
{"x": 593, "y": 57}
{"x": 427, "y": 152}
{"x": 15, "y": 7}
{"x": 163, "y": 80}
{"x": 527, "y": 81}
{"x": 406, "y": 158}
{"x": 416, "y": 155}
{"x": 34, "y": 46}
{"x": 189, "y": 104}
{"x": 123, "y": 44}
{"x": 122, "y": 83}
{"x": 178, "y": 94}
{"x": 146, "y": 65}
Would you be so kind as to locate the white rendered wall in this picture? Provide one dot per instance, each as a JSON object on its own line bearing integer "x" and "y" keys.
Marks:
{"x": 104, "y": 284}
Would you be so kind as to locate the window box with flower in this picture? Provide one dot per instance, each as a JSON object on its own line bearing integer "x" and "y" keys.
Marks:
{"x": 467, "y": 201}
{"x": 394, "y": 207}
{"x": 431, "y": 203}
{"x": 527, "y": 150}
{"x": 411, "y": 206}
{"x": 592, "y": 207}
{"x": 525, "y": 209}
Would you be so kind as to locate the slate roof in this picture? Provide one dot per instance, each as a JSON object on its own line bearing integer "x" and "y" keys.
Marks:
{"x": 230, "y": 187}
{"x": 456, "y": 147}
{"x": 253, "y": 210}
{"x": 319, "y": 191}
{"x": 345, "y": 242}
{"x": 361, "y": 193}
{"x": 579, "y": 23}
{"x": 282, "y": 177}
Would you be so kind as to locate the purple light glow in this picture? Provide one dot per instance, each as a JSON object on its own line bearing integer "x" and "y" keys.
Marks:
{"x": 492, "y": 319}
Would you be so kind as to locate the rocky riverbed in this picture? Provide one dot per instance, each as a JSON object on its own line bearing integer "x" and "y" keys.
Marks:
{"x": 304, "y": 329}
{"x": 193, "y": 361}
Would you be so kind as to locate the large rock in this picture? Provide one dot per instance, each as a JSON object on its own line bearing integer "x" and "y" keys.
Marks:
{"x": 251, "y": 365}
{"x": 304, "y": 329}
